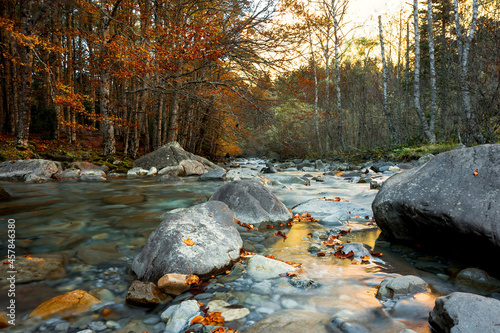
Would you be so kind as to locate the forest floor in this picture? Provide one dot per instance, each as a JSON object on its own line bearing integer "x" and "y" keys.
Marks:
{"x": 89, "y": 147}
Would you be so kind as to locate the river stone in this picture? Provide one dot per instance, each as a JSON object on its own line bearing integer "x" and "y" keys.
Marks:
{"x": 152, "y": 172}
{"x": 137, "y": 172}
{"x": 98, "y": 252}
{"x": 359, "y": 250}
{"x": 216, "y": 174}
{"x": 69, "y": 174}
{"x": 394, "y": 288}
{"x": 444, "y": 203}
{"x": 38, "y": 267}
{"x": 229, "y": 314}
{"x": 173, "y": 283}
{"x": 252, "y": 203}
{"x": 286, "y": 179}
{"x": 93, "y": 172}
{"x": 124, "y": 199}
{"x": 178, "y": 317}
{"x": 84, "y": 165}
{"x": 241, "y": 173}
{"x": 465, "y": 313}
{"x": 321, "y": 208}
{"x": 66, "y": 305}
{"x": 478, "y": 280}
{"x": 145, "y": 294}
{"x": 91, "y": 178}
{"x": 173, "y": 154}
{"x": 262, "y": 268}
{"x": 28, "y": 170}
{"x": 236, "y": 271}
{"x": 294, "y": 321}
{"x": 216, "y": 243}
{"x": 4, "y": 195}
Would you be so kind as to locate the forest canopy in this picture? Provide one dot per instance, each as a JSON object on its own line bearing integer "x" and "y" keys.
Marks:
{"x": 293, "y": 78}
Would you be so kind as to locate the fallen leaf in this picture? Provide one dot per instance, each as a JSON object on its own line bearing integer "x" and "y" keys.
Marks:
{"x": 476, "y": 172}
{"x": 270, "y": 257}
{"x": 192, "y": 279}
{"x": 376, "y": 254}
{"x": 189, "y": 242}
{"x": 340, "y": 254}
{"x": 365, "y": 258}
{"x": 211, "y": 215}
{"x": 294, "y": 264}
{"x": 269, "y": 226}
{"x": 321, "y": 254}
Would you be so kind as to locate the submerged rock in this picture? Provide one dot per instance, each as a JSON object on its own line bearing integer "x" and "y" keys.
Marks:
{"x": 216, "y": 243}
{"x": 66, "y": 305}
{"x": 28, "y": 170}
{"x": 252, "y": 203}
{"x": 332, "y": 210}
{"x": 445, "y": 201}
{"x": 216, "y": 174}
{"x": 49, "y": 266}
{"x": 226, "y": 311}
{"x": 294, "y": 321}
{"x": 464, "y": 313}
{"x": 98, "y": 252}
{"x": 478, "y": 280}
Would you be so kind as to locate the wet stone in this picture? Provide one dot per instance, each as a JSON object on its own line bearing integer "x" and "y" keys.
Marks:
{"x": 99, "y": 252}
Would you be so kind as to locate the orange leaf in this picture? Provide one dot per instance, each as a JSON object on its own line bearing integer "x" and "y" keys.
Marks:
{"x": 476, "y": 172}
{"x": 376, "y": 254}
{"x": 192, "y": 279}
{"x": 189, "y": 242}
{"x": 211, "y": 215}
{"x": 294, "y": 264}
{"x": 365, "y": 258}
{"x": 197, "y": 320}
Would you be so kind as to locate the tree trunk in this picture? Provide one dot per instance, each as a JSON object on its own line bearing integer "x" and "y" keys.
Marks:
{"x": 416, "y": 86}
{"x": 340, "y": 130}
{"x": 463, "y": 52}
{"x": 26, "y": 55}
{"x": 432, "y": 62}
{"x": 173, "y": 124}
{"x": 384, "y": 84}
{"x": 104, "y": 90}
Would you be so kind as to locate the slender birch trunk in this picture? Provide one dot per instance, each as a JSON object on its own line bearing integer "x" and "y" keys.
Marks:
{"x": 432, "y": 62}
{"x": 384, "y": 84}
{"x": 340, "y": 130}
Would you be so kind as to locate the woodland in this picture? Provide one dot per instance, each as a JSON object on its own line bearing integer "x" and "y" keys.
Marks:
{"x": 288, "y": 77}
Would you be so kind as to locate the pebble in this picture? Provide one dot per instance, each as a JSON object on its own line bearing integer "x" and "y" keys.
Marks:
{"x": 112, "y": 324}
{"x": 97, "y": 326}
{"x": 257, "y": 239}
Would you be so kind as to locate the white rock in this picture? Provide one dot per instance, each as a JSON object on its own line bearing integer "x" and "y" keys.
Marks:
{"x": 178, "y": 317}
{"x": 136, "y": 172}
{"x": 228, "y": 313}
{"x": 262, "y": 268}
{"x": 153, "y": 171}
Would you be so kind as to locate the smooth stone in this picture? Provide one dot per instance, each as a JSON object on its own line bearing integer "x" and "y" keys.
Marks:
{"x": 179, "y": 316}
{"x": 236, "y": 271}
{"x": 173, "y": 283}
{"x": 216, "y": 174}
{"x": 464, "y": 313}
{"x": 262, "y": 268}
{"x": 229, "y": 314}
{"x": 401, "y": 286}
{"x": 37, "y": 267}
{"x": 98, "y": 252}
{"x": 145, "y": 294}
{"x": 478, "y": 280}
{"x": 152, "y": 172}
{"x": 66, "y": 305}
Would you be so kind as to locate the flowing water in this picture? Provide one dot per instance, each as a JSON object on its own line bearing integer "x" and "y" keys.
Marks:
{"x": 67, "y": 217}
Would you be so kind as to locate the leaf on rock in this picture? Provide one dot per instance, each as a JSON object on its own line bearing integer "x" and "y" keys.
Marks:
{"x": 376, "y": 254}
{"x": 269, "y": 226}
{"x": 189, "y": 242}
{"x": 340, "y": 254}
{"x": 192, "y": 279}
{"x": 270, "y": 257}
{"x": 476, "y": 172}
{"x": 293, "y": 264}
{"x": 365, "y": 258}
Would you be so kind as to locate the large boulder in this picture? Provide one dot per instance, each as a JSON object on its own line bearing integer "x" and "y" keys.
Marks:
{"x": 452, "y": 200}
{"x": 464, "y": 313}
{"x": 28, "y": 170}
{"x": 216, "y": 243}
{"x": 251, "y": 202}
{"x": 173, "y": 155}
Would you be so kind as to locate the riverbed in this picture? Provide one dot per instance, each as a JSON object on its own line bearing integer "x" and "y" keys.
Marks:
{"x": 117, "y": 216}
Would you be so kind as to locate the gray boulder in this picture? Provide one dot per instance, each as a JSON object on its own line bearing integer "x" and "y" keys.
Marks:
{"x": 216, "y": 243}
{"x": 444, "y": 202}
{"x": 394, "y": 288}
{"x": 216, "y": 174}
{"x": 173, "y": 154}
{"x": 321, "y": 208}
{"x": 252, "y": 203}
{"x": 28, "y": 170}
{"x": 465, "y": 313}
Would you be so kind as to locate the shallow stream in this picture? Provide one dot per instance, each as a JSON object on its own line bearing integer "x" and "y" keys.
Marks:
{"x": 72, "y": 217}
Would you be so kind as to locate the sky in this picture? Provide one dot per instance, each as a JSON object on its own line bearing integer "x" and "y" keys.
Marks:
{"x": 367, "y": 11}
